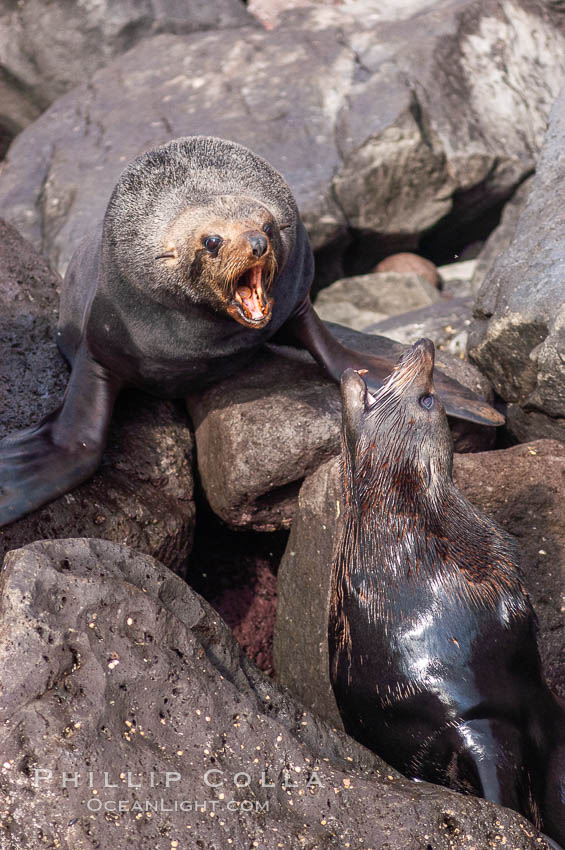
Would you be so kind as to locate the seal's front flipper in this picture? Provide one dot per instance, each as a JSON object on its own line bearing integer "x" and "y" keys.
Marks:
{"x": 306, "y": 329}
{"x": 64, "y": 449}
{"x": 463, "y": 403}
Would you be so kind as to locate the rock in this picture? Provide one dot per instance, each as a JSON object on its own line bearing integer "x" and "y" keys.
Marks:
{"x": 269, "y": 12}
{"x": 518, "y": 337}
{"x": 345, "y": 313}
{"x": 381, "y": 156}
{"x": 46, "y": 49}
{"x": 446, "y": 323}
{"x": 143, "y": 493}
{"x": 259, "y": 435}
{"x": 410, "y": 263}
{"x": 456, "y": 278}
{"x": 502, "y": 236}
{"x": 115, "y": 674}
{"x": 303, "y": 665}
{"x": 520, "y": 487}
{"x": 358, "y": 302}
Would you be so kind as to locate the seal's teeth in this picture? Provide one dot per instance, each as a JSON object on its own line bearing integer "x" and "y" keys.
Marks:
{"x": 371, "y": 398}
{"x": 250, "y": 296}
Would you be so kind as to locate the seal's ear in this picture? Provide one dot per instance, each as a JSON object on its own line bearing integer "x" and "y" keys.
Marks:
{"x": 353, "y": 400}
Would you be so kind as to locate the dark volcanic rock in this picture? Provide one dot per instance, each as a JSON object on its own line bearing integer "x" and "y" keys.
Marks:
{"x": 300, "y": 643}
{"x": 143, "y": 493}
{"x": 518, "y": 338}
{"x": 398, "y": 142}
{"x": 260, "y": 433}
{"x": 115, "y": 674}
{"x": 521, "y": 488}
{"x": 47, "y": 48}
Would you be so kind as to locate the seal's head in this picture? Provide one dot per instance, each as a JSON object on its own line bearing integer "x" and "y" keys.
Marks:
{"x": 397, "y": 443}
{"x": 224, "y": 251}
{"x": 206, "y": 221}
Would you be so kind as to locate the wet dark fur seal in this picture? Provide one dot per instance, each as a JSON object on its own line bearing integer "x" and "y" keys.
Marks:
{"x": 432, "y": 638}
{"x": 201, "y": 258}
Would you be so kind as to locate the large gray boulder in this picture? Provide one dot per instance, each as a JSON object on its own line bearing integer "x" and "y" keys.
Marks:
{"x": 115, "y": 674}
{"x": 400, "y": 140}
{"x": 518, "y": 338}
{"x": 142, "y": 494}
{"x": 48, "y": 48}
{"x": 521, "y": 488}
{"x": 260, "y": 432}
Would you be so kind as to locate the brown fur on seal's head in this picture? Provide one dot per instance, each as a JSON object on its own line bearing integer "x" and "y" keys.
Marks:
{"x": 220, "y": 247}
{"x": 225, "y": 255}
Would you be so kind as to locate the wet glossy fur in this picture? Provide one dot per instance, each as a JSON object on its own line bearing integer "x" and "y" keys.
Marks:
{"x": 433, "y": 655}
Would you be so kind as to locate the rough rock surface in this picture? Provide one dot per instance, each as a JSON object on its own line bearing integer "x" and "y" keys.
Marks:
{"x": 400, "y": 141}
{"x": 446, "y": 323}
{"x": 47, "y": 48}
{"x": 520, "y": 487}
{"x": 518, "y": 338}
{"x": 257, "y": 437}
{"x": 501, "y": 237}
{"x": 358, "y": 302}
{"x": 270, "y": 12}
{"x": 143, "y": 493}
{"x": 456, "y": 278}
{"x": 114, "y": 671}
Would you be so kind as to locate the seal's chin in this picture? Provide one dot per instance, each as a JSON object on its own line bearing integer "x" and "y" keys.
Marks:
{"x": 250, "y": 306}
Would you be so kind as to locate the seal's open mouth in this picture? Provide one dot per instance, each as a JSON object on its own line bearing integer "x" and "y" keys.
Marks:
{"x": 250, "y": 305}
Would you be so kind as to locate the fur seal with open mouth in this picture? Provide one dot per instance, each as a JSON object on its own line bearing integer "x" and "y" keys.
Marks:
{"x": 201, "y": 258}
{"x": 433, "y": 654}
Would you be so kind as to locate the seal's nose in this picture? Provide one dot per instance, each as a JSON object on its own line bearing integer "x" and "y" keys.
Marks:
{"x": 423, "y": 350}
{"x": 258, "y": 241}
{"x": 424, "y": 346}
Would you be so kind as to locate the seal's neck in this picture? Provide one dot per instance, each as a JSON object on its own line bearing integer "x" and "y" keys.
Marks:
{"x": 402, "y": 531}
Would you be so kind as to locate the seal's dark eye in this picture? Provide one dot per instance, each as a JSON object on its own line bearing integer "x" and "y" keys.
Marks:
{"x": 212, "y": 244}
{"x": 268, "y": 229}
{"x": 426, "y": 401}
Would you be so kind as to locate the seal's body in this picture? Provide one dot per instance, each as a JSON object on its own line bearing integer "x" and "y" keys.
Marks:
{"x": 159, "y": 304}
{"x": 433, "y": 654}
{"x": 200, "y": 260}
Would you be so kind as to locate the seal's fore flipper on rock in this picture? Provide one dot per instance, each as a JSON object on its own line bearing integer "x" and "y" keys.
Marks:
{"x": 307, "y": 330}
{"x": 64, "y": 449}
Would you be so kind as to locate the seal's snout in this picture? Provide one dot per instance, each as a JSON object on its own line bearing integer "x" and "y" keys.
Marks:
{"x": 416, "y": 366}
{"x": 425, "y": 349}
{"x": 258, "y": 242}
